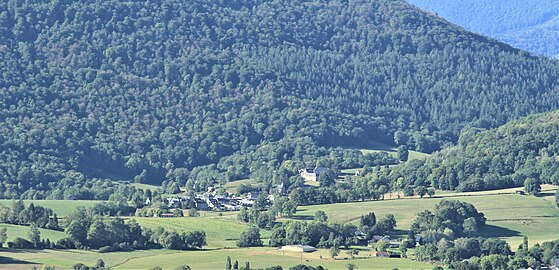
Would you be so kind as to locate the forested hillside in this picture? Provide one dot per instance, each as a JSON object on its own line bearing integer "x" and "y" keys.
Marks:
{"x": 526, "y": 149}
{"x": 529, "y": 25}
{"x": 151, "y": 90}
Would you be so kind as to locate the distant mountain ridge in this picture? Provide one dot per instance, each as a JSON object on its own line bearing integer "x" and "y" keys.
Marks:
{"x": 188, "y": 90}
{"x": 529, "y": 25}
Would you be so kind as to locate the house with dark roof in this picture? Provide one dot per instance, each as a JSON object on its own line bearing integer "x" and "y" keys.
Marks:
{"x": 253, "y": 195}
{"x": 200, "y": 204}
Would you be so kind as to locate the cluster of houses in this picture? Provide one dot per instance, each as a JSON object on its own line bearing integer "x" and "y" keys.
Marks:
{"x": 550, "y": 267}
{"x": 209, "y": 201}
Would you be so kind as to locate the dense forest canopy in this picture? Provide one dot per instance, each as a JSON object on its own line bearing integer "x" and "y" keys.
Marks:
{"x": 529, "y": 25}
{"x": 508, "y": 156}
{"x": 152, "y": 90}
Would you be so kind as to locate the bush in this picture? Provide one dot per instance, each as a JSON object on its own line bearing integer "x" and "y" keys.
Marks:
{"x": 106, "y": 249}
{"x": 22, "y": 243}
{"x": 65, "y": 243}
{"x": 250, "y": 238}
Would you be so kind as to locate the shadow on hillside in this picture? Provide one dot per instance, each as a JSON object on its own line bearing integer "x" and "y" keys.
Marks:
{"x": 496, "y": 231}
{"x": 547, "y": 193}
{"x": 17, "y": 250}
{"x": 8, "y": 260}
{"x": 303, "y": 217}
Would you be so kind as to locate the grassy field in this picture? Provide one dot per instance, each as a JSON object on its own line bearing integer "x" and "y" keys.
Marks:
{"x": 380, "y": 147}
{"x": 145, "y": 186}
{"x": 60, "y": 207}
{"x": 21, "y": 231}
{"x": 393, "y": 151}
{"x": 220, "y": 232}
{"x": 231, "y": 187}
{"x": 265, "y": 257}
{"x": 65, "y": 259}
{"x": 509, "y": 216}
{"x": 205, "y": 259}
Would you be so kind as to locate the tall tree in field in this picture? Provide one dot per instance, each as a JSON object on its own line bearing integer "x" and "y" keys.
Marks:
{"x": 403, "y": 153}
{"x": 34, "y": 235}
{"x": 334, "y": 251}
{"x": 3, "y": 235}
{"x": 228, "y": 263}
{"x": 532, "y": 186}
{"x": 250, "y": 238}
{"x": 420, "y": 191}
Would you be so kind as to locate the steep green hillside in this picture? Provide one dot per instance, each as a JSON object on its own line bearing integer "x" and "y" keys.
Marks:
{"x": 529, "y": 25}
{"x": 151, "y": 90}
{"x": 492, "y": 159}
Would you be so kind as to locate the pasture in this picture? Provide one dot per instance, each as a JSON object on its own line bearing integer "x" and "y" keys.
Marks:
{"x": 393, "y": 151}
{"x": 509, "y": 216}
{"x": 14, "y": 231}
{"x": 204, "y": 259}
{"x": 220, "y": 232}
{"x": 60, "y": 207}
{"x": 231, "y": 187}
{"x": 265, "y": 257}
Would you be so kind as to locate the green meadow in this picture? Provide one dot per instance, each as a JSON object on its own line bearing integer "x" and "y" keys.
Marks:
{"x": 22, "y": 231}
{"x": 265, "y": 257}
{"x": 220, "y": 232}
{"x": 393, "y": 151}
{"x": 204, "y": 259}
{"x": 375, "y": 147}
{"x": 232, "y": 186}
{"x": 509, "y": 216}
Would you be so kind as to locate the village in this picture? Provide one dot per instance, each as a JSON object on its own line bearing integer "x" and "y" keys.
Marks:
{"x": 211, "y": 201}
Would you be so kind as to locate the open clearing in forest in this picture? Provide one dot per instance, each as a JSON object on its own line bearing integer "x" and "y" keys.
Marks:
{"x": 392, "y": 150}
{"x": 381, "y": 147}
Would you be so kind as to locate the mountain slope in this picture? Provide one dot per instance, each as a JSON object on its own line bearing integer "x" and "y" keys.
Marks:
{"x": 529, "y": 25}
{"x": 493, "y": 159}
{"x": 152, "y": 90}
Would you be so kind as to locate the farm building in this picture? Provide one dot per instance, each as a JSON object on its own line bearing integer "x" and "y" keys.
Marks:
{"x": 298, "y": 248}
{"x": 253, "y": 195}
{"x": 312, "y": 174}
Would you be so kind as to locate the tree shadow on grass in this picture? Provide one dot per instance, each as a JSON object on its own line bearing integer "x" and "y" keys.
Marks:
{"x": 17, "y": 250}
{"x": 9, "y": 260}
{"x": 302, "y": 217}
{"x": 546, "y": 193}
{"x": 496, "y": 231}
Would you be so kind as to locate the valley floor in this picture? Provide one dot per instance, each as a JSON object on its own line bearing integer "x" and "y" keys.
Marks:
{"x": 205, "y": 259}
{"x": 510, "y": 216}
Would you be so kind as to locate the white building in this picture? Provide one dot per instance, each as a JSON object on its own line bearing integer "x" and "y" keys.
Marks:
{"x": 298, "y": 248}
